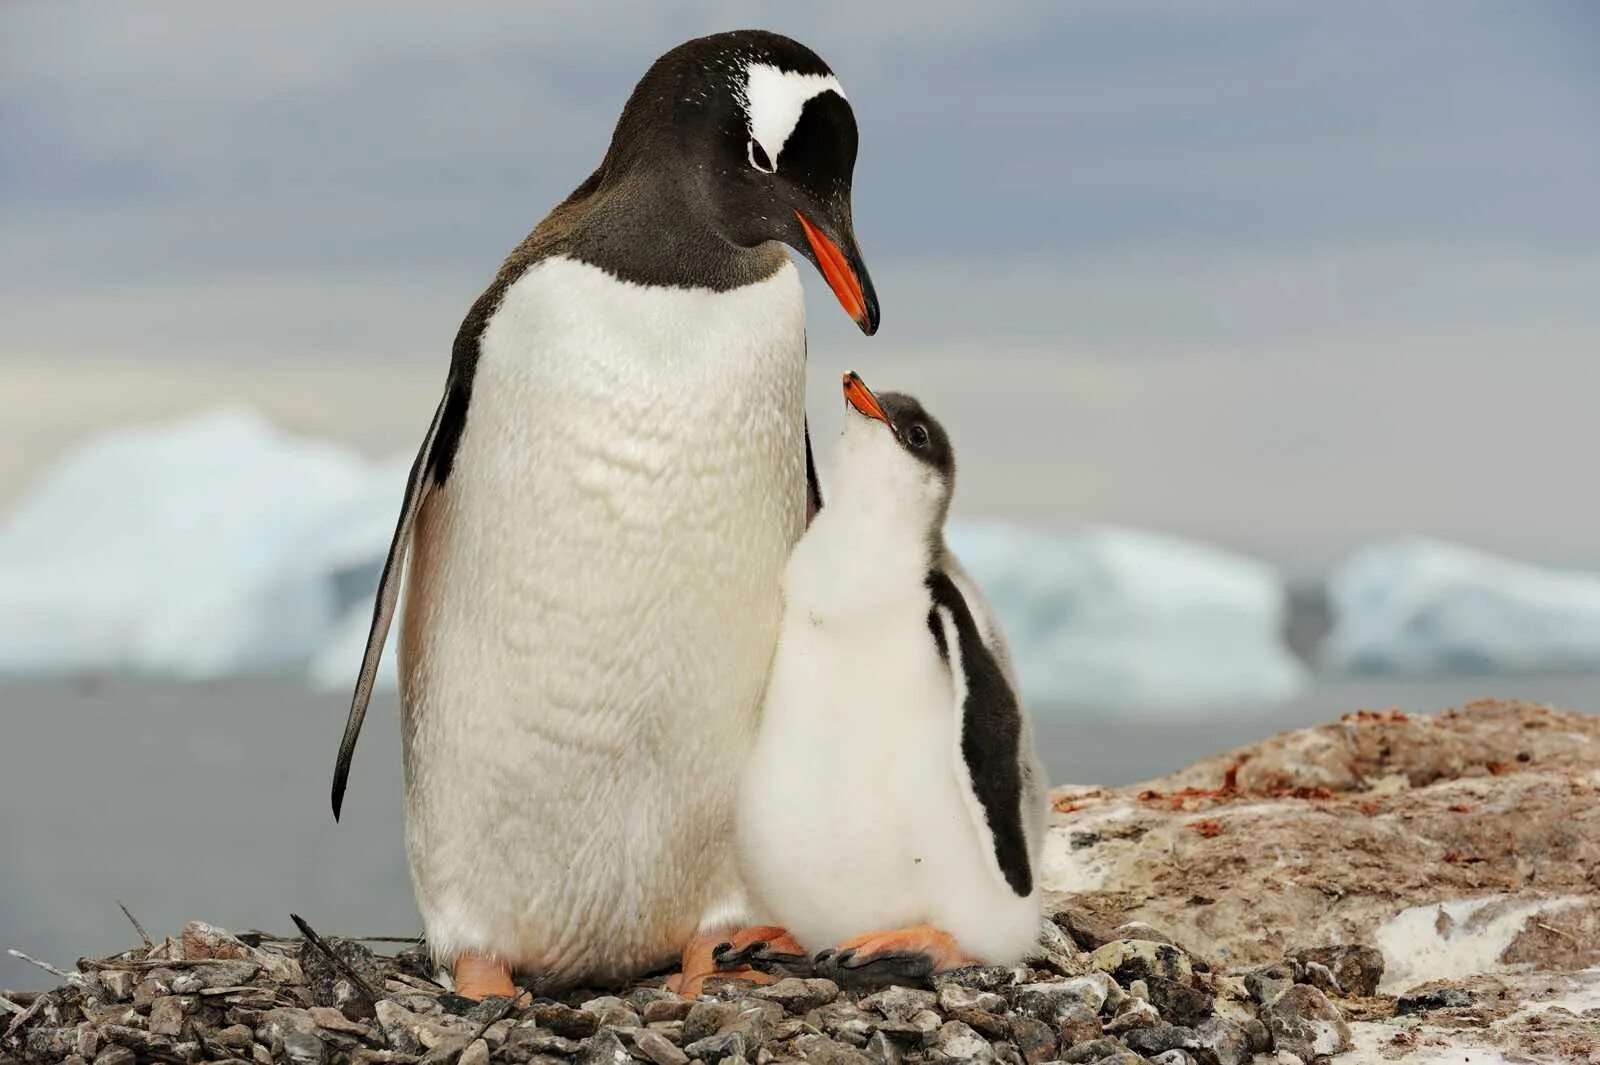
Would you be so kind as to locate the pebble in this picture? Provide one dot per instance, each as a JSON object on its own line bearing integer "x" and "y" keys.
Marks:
{"x": 981, "y": 977}
{"x": 1136, "y": 959}
{"x": 1178, "y": 1003}
{"x": 604, "y": 1048}
{"x": 1303, "y": 1022}
{"x": 1035, "y": 1040}
{"x": 798, "y": 995}
{"x": 824, "y": 1051}
{"x": 1442, "y": 999}
{"x": 659, "y": 1049}
{"x": 956, "y": 997}
{"x": 1356, "y": 969}
{"x": 714, "y": 1048}
{"x": 1222, "y": 1039}
{"x": 898, "y": 1003}
{"x": 958, "y": 1042}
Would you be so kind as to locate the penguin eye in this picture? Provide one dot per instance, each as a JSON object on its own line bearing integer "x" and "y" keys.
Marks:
{"x": 917, "y": 436}
{"x": 758, "y": 157}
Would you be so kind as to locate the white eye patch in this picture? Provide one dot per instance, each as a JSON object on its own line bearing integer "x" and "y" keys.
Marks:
{"x": 773, "y": 100}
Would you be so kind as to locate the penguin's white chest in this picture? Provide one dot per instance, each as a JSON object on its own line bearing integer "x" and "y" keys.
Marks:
{"x": 592, "y": 609}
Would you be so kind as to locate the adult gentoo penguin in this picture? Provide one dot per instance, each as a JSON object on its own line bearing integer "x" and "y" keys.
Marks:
{"x": 597, "y": 524}
{"x": 893, "y": 807}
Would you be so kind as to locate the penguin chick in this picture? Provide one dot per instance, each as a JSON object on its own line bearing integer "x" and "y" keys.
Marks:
{"x": 893, "y": 807}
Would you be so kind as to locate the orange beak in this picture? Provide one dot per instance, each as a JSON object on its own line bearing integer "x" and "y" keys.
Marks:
{"x": 859, "y": 396}
{"x": 841, "y": 277}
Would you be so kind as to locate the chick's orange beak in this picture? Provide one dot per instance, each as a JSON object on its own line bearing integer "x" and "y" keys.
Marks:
{"x": 859, "y": 396}
{"x": 857, "y": 299}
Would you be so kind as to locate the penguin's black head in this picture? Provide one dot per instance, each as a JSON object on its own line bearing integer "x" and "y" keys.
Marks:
{"x": 894, "y": 444}
{"x": 757, "y": 132}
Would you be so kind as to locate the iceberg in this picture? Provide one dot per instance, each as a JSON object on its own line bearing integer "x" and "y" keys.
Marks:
{"x": 199, "y": 548}
{"x": 1423, "y": 607}
{"x": 220, "y": 545}
{"x": 1124, "y": 619}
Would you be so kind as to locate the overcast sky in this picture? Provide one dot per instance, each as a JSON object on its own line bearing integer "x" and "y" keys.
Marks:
{"x": 1283, "y": 275}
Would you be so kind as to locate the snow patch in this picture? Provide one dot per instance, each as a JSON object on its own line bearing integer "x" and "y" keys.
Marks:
{"x": 1451, "y": 940}
{"x": 1372, "y": 1043}
{"x": 1423, "y": 607}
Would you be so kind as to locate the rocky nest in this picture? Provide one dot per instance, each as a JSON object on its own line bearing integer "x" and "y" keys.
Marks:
{"x": 1089, "y": 994}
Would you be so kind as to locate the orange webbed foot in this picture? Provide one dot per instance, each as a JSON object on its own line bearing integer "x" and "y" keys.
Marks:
{"x": 895, "y": 956}
{"x": 731, "y": 955}
{"x": 480, "y": 976}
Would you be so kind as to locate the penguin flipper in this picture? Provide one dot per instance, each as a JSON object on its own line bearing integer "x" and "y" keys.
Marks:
{"x": 989, "y": 754}
{"x": 418, "y": 484}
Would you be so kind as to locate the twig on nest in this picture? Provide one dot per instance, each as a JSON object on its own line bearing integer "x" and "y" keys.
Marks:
{"x": 137, "y": 927}
{"x": 47, "y": 967}
{"x": 338, "y": 962}
{"x": 9, "y": 1006}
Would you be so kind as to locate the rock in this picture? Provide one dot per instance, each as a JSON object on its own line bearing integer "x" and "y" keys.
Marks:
{"x": 612, "y": 1011}
{"x": 1172, "y": 1057}
{"x": 167, "y": 1014}
{"x": 477, "y": 1053}
{"x": 325, "y": 978}
{"x": 1267, "y": 983}
{"x": 844, "y": 1021}
{"x": 115, "y": 1055}
{"x": 566, "y": 1021}
{"x": 1079, "y": 1024}
{"x": 824, "y": 1051}
{"x": 979, "y": 977}
{"x": 522, "y": 1043}
{"x": 707, "y": 1019}
{"x": 798, "y": 995}
{"x": 714, "y": 1048}
{"x": 1136, "y": 959}
{"x": 1136, "y": 1014}
{"x": 1035, "y": 1040}
{"x": 1178, "y": 1003}
{"x": 303, "y": 1048}
{"x": 658, "y": 1048}
{"x": 957, "y": 1042}
{"x": 1093, "y": 1050}
{"x": 1055, "y": 951}
{"x": 659, "y": 1010}
{"x": 884, "y": 1049}
{"x": 1303, "y": 1022}
{"x": 986, "y": 1024}
{"x": 898, "y": 1003}
{"x": 1159, "y": 1038}
{"x": 202, "y": 940}
{"x": 957, "y": 997}
{"x": 1219, "y": 1041}
{"x": 1383, "y": 812}
{"x": 1049, "y": 1002}
{"x": 157, "y": 982}
{"x": 118, "y": 984}
{"x": 1440, "y": 999}
{"x": 399, "y": 1026}
{"x": 604, "y": 1048}
{"x": 236, "y": 1036}
{"x": 216, "y": 974}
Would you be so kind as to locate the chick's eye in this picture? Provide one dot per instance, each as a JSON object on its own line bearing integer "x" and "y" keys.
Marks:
{"x": 758, "y": 157}
{"x": 918, "y": 436}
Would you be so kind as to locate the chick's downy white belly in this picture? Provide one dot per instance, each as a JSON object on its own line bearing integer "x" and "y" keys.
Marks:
{"x": 852, "y": 818}
{"x": 592, "y": 606}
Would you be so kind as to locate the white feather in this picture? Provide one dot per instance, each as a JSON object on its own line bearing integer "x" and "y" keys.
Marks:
{"x": 774, "y": 99}
{"x": 592, "y": 606}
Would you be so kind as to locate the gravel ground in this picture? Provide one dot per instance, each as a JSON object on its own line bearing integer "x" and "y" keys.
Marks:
{"x": 1089, "y": 994}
